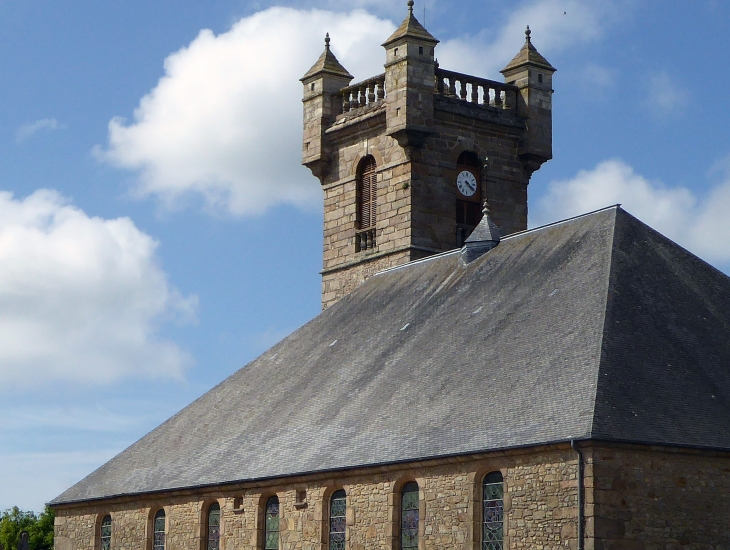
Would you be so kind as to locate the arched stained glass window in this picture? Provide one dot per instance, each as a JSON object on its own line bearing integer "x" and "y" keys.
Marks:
{"x": 338, "y": 509}
{"x": 106, "y": 533}
{"x": 493, "y": 512}
{"x": 271, "y": 525}
{"x": 158, "y": 541}
{"x": 214, "y": 526}
{"x": 409, "y": 516}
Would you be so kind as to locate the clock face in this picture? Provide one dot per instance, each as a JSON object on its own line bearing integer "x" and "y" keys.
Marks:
{"x": 466, "y": 183}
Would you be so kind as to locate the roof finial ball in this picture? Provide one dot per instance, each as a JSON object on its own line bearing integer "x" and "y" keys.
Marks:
{"x": 327, "y": 41}
{"x": 410, "y": 7}
{"x": 528, "y": 32}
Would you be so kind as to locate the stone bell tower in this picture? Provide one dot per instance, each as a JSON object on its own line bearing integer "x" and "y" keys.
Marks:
{"x": 407, "y": 158}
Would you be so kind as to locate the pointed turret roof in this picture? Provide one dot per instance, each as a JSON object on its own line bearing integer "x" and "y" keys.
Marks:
{"x": 487, "y": 230}
{"x": 411, "y": 28}
{"x": 485, "y": 237}
{"x": 528, "y": 54}
{"x": 327, "y": 63}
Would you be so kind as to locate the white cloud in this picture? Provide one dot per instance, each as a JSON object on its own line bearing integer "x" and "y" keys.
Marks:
{"x": 26, "y": 131}
{"x": 664, "y": 95}
{"x": 555, "y": 24}
{"x": 223, "y": 123}
{"x": 81, "y": 297}
{"x": 699, "y": 223}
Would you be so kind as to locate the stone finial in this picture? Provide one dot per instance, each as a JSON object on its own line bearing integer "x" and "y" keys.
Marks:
{"x": 528, "y": 32}
{"x": 327, "y": 41}
{"x": 410, "y": 7}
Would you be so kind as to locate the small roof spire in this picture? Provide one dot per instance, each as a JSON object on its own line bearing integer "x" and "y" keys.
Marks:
{"x": 327, "y": 63}
{"x": 411, "y": 28}
{"x": 485, "y": 237}
{"x": 528, "y": 55}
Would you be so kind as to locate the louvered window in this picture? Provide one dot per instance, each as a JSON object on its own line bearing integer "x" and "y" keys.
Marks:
{"x": 493, "y": 512}
{"x": 367, "y": 194}
{"x": 214, "y": 526}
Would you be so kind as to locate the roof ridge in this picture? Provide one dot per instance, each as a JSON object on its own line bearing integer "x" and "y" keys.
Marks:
{"x": 610, "y": 273}
{"x": 511, "y": 236}
{"x": 539, "y": 227}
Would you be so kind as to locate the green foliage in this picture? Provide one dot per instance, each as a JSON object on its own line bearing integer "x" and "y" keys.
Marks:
{"x": 40, "y": 529}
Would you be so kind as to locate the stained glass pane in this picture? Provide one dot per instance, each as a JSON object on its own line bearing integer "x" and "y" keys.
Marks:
{"x": 409, "y": 516}
{"x": 493, "y": 507}
{"x": 106, "y": 533}
{"x": 338, "y": 510}
{"x": 271, "y": 533}
{"x": 158, "y": 542}
{"x": 214, "y": 522}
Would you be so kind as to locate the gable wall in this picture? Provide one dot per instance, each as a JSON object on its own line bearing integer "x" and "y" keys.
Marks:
{"x": 540, "y": 508}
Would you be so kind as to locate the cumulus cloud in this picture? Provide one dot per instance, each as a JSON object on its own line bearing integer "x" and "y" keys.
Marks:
{"x": 81, "y": 298}
{"x": 555, "y": 24}
{"x": 26, "y": 131}
{"x": 223, "y": 122}
{"x": 664, "y": 95}
{"x": 699, "y": 223}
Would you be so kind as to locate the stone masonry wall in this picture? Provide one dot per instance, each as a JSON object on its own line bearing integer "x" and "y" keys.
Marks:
{"x": 416, "y": 194}
{"x": 651, "y": 499}
{"x": 540, "y": 508}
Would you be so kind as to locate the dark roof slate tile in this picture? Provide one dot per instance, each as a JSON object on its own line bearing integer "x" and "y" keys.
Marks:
{"x": 592, "y": 327}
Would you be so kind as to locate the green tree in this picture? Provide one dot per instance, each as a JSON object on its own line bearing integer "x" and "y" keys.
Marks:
{"x": 40, "y": 528}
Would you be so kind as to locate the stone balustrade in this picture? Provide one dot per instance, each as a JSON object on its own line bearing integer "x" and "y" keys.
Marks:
{"x": 475, "y": 90}
{"x": 363, "y": 93}
{"x": 365, "y": 240}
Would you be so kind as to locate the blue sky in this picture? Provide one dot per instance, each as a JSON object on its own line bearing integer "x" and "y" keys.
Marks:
{"x": 157, "y": 231}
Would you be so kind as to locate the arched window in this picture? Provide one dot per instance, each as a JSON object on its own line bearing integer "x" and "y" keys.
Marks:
{"x": 105, "y": 534}
{"x": 493, "y": 511}
{"x": 367, "y": 204}
{"x": 468, "y": 195}
{"x": 409, "y": 516}
{"x": 214, "y": 526}
{"x": 338, "y": 509}
{"x": 158, "y": 541}
{"x": 271, "y": 524}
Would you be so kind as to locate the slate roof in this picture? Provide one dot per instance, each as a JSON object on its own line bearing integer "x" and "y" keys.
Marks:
{"x": 595, "y": 327}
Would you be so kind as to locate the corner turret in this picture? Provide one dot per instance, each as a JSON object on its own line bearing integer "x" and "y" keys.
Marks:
{"x": 326, "y": 77}
{"x": 409, "y": 79}
{"x": 533, "y": 76}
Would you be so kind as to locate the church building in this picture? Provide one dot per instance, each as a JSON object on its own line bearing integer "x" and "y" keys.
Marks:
{"x": 470, "y": 384}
